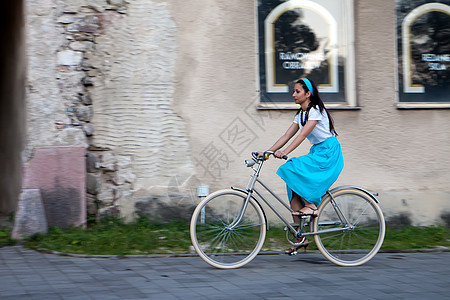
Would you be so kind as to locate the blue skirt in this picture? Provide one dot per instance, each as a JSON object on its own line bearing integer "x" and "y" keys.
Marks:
{"x": 311, "y": 175}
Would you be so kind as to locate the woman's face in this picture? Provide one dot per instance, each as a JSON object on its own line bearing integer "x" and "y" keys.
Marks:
{"x": 299, "y": 94}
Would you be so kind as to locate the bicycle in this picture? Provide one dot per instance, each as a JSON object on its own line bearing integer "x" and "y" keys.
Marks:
{"x": 228, "y": 227}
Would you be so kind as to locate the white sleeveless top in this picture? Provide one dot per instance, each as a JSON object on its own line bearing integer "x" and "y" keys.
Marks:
{"x": 322, "y": 130}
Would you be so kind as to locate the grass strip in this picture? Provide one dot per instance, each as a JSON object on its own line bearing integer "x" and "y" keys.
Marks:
{"x": 114, "y": 237}
{"x": 5, "y": 237}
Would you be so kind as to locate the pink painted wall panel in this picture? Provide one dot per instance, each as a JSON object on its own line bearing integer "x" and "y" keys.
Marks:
{"x": 60, "y": 174}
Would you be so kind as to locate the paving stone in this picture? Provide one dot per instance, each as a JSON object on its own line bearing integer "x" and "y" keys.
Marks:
{"x": 191, "y": 278}
{"x": 16, "y": 297}
{"x": 75, "y": 297}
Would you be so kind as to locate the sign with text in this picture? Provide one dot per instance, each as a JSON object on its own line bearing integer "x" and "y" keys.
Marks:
{"x": 303, "y": 38}
{"x": 423, "y": 43}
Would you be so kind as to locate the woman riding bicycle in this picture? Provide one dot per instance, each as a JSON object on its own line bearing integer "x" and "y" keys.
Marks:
{"x": 308, "y": 177}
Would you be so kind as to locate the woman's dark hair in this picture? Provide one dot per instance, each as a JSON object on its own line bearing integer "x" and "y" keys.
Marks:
{"x": 316, "y": 101}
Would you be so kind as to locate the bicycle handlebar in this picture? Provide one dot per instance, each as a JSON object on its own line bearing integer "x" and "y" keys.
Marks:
{"x": 266, "y": 155}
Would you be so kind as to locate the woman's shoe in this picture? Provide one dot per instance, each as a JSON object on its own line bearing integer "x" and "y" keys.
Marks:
{"x": 293, "y": 249}
{"x": 300, "y": 213}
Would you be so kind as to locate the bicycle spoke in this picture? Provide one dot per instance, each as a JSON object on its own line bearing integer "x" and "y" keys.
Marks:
{"x": 357, "y": 220}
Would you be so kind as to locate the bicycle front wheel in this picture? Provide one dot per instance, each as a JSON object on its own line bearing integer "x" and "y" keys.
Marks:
{"x": 351, "y": 227}
{"x": 218, "y": 239}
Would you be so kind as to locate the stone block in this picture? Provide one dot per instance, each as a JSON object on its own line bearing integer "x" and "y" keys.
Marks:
{"x": 91, "y": 163}
{"x": 88, "y": 129}
{"x": 76, "y": 100}
{"x": 84, "y": 113}
{"x": 72, "y": 28}
{"x": 72, "y": 136}
{"x": 66, "y": 19}
{"x": 117, "y": 3}
{"x": 91, "y": 204}
{"x": 97, "y": 5}
{"x": 107, "y": 194}
{"x": 93, "y": 184}
{"x": 93, "y": 72}
{"x": 86, "y": 99}
{"x": 59, "y": 173}
{"x": 123, "y": 162}
{"x": 70, "y": 58}
{"x": 82, "y": 46}
{"x": 91, "y": 20}
{"x": 88, "y": 28}
{"x": 73, "y": 9}
{"x": 87, "y": 81}
{"x": 30, "y": 216}
{"x": 110, "y": 211}
{"x": 108, "y": 161}
{"x": 123, "y": 176}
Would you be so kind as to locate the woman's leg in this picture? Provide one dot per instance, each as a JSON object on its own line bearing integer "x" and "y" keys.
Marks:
{"x": 307, "y": 209}
{"x": 296, "y": 205}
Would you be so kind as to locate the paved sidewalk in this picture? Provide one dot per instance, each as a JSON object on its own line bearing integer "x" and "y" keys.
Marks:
{"x": 26, "y": 274}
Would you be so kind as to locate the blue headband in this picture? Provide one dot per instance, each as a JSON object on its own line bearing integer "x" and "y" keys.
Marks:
{"x": 309, "y": 85}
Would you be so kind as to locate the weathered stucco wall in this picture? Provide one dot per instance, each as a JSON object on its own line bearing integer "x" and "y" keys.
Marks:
{"x": 133, "y": 114}
{"x": 163, "y": 94}
{"x": 133, "y": 97}
{"x": 103, "y": 77}
{"x": 402, "y": 154}
{"x": 47, "y": 101}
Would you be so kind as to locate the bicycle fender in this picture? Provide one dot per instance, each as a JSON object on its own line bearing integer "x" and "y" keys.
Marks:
{"x": 343, "y": 187}
{"x": 257, "y": 201}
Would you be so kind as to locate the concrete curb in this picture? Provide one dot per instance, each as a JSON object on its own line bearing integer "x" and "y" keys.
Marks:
{"x": 443, "y": 249}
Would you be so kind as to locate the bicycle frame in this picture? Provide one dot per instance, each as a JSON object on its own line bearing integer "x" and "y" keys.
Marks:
{"x": 344, "y": 213}
{"x": 251, "y": 188}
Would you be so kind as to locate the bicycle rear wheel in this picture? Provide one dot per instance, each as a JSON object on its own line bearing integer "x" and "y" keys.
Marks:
{"x": 358, "y": 243}
{"x": 219, "y": 244}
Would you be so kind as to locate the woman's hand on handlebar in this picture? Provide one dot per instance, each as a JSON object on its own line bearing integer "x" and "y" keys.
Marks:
{"x": 264, "y": 155}
{"x": 277, "y": 154}
{"x": 280, "y": 154}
